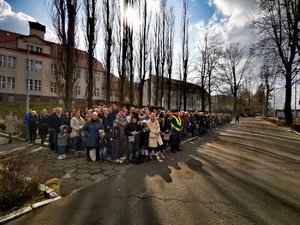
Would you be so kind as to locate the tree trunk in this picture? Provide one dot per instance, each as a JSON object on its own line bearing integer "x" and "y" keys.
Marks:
{"x": 288, "y": 98}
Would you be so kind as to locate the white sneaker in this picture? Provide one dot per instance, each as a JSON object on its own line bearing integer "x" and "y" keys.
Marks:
{"x": 64, "y": 156}
{"x": 60, "y": 157}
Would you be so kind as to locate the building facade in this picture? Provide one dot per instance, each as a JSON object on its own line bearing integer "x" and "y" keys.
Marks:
{"x": 28, "y": 62}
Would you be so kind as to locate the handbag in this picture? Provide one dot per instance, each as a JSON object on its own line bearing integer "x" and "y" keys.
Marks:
{"x": 166, "y": 136}
{"x": 93, "y": 154}
{"x": 131, "y": 139}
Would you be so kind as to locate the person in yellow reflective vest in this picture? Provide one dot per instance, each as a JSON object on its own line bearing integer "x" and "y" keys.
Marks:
{"x": 176, "y": 126}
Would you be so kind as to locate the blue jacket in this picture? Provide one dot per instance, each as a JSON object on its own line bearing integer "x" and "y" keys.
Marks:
{"x": 91, "y": 133}
{"x": 26, "y": 118}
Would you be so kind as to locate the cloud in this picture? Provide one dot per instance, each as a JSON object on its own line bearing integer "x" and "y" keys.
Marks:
{"x": 14, "y": 22}
{"x": 18, "y": 22}
{"x": 231, "y": 22}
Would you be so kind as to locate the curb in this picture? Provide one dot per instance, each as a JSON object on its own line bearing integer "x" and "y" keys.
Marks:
{"x": 27, "y": 209}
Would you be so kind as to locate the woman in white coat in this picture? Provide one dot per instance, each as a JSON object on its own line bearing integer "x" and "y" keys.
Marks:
{"x": 155, "y": 141}
{"x": 10, "y": 125}
{"x": 76, "y": 134}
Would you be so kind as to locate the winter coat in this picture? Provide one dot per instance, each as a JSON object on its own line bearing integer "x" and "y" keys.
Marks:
{"x": 76, "y": 123}
{"x": 122, "y": 119}
{"x": 54, "y": 122}
{"x": 63, "y": 137}
{"x": 33, "y": 121}
{"x": 114, "y": 132}
{"x": 10, "y": 123}
{"x": 43, "y": 124}
{"x": 154, "y": 135}
{"x": 131, "y": 127}
{"x": 91, "y": 133}
{"x": 103, "y": 141}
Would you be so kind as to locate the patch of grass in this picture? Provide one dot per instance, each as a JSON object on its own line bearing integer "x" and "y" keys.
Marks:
{"x": 19, "y": 108}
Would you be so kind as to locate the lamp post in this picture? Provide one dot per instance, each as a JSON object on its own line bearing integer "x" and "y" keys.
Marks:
{"x": 27, "y": 79}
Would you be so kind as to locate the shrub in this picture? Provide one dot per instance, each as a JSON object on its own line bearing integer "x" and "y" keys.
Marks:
{"x": 296, "y": 127}
{"x": 19, "y": 182}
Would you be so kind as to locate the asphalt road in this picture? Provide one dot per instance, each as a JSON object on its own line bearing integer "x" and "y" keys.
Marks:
{"x": 239, "y": 174}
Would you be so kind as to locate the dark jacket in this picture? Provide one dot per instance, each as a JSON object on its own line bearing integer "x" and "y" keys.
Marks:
{"x": 131, "y": 128}
{"x": 114, "y": 132}
{"x": 33, "y": 121}
{"x": 103, "y": 141}
{"x": 54, "y": 122}
{"x": 91, "y": 133}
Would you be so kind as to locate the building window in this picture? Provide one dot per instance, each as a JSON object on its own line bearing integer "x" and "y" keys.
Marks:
{"x": 30, "y": 84}
{"x": 53, "y": 69}
{"x": 97, "y": 92}
{"x": 38, "y": 66}
{"x": 2, "y": 81}
{"x": 10, "y": 98}
{"x": 2, "y": 60}
{"x": 53, "y": 87}
{"x": 34, "y": 85}
{"x": 77, "y": 90}
{"x": 29, "y": 65}
{"x": 37, "y": 85}
{"x": 11, "y": 62}
{"x": 11, "y": 82}
{"x": 97, "y": 77}
{"x": 39, "y": 49}
{"x": 78, "y": 74}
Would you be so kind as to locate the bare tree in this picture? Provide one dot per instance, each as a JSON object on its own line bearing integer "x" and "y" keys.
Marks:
{"x": 108, "y": 13}
{"x": 64, "y": 20}
{"x": 233, "y": 68}
{"x": 157, "y": 55}
{"x": 278, "y": 26}
{"x": 121, "y": 46}
{"x": 143, "y": 46}
{"x": 185, "y": 50}
{"x": 268, "y": 74}
{"x": 91, "y": 14}
{"x": 169, "y": 50}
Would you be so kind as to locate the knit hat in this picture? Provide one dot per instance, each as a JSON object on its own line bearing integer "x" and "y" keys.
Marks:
{"x": 101, "y": 131}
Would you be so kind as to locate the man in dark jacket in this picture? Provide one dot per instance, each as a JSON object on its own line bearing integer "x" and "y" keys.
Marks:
{"x": 54, "y": 122}
{"x": 133, "y": 131}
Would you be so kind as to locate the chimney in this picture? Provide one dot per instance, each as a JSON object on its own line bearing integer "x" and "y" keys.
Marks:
{"x": 37, "y": 29}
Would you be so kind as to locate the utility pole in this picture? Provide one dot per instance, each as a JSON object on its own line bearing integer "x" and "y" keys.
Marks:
{"x": 27, "y": 80}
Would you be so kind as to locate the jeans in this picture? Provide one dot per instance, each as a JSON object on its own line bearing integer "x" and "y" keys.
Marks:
{"x": 103, "y": 153}
{"x": 132, "y": 150}
{"x": 77, "y": 143}
{"x": 61, "y": 150}
{"x": 115, "y": 148}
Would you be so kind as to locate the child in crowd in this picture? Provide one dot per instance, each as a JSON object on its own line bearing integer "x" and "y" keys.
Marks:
{"x": 62, "y": 141}
{"x": 114, "y": 134}
{"x": 103, "y": 140}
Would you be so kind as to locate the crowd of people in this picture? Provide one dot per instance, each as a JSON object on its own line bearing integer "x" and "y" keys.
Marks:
{"x": 145, "y": 133}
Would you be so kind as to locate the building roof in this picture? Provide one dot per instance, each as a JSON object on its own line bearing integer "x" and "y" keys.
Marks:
{"x": 9, "y": 40}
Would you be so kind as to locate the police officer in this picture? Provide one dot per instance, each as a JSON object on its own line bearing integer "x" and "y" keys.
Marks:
{"x": 176, "y": 127}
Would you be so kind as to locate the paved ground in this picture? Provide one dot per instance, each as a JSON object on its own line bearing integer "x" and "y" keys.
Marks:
{"x": 70, "y": 174}
{"x": 241, "y": 174}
